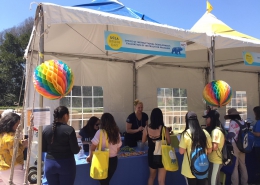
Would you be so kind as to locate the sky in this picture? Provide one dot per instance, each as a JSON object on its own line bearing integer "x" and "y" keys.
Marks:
{"x": 241, "y": 15}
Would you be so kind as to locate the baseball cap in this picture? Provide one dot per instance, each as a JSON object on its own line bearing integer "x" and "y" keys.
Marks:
{"x": 211, "y": 113}
{"x": 191, "y": 115}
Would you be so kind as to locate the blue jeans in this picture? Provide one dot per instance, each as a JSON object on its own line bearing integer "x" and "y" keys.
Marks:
{"x": 60, "y": 171}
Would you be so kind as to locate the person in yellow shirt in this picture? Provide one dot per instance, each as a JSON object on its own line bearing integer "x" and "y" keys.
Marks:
{"x": 216, "y": 131}
{"x": 8, "y": 126}
{"x": 190, "y": 137}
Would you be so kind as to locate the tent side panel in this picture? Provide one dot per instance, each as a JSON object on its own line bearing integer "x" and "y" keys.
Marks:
{"x": 242, "y": 82}
{"x": 152, "y": 77}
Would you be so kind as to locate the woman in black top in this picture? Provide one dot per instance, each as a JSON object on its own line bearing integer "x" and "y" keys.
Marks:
{"x": 88, "y": 132}
{"x": 60, "y": 143}
{"x": 153, "y": 132}
{"x": 135, "y": 124}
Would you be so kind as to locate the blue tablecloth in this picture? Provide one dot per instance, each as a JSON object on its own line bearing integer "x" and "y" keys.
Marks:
{"x": 130, "y": 171}
{"x": 135, "y": 171}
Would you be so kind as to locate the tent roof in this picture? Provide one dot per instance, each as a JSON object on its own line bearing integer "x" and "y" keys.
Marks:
{"x": 229, "y": 43}
{"x": 115, "y": 7}
{"x": 212, "y": 25}
{"x": 79, "y": 32}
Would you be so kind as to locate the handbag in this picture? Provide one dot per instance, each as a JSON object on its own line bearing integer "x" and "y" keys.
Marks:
{"x": 169, "y": 159}
{"x": 100, "y": 160}
{"x": 157, "y": 153}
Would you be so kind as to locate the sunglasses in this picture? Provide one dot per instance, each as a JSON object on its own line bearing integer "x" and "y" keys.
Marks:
{"x": 97, "y": 125}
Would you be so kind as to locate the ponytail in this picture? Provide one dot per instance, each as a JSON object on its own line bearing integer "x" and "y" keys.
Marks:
{"x": 53, "y": 131}
{"x": 59, "y": 112}
{"x": 54, "y": 125}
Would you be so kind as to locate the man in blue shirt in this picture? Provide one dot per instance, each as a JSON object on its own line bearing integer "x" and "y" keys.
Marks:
{"x": 256, "y": 132}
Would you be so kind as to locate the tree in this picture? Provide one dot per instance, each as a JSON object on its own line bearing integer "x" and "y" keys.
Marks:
{"x": 13, "y": 43}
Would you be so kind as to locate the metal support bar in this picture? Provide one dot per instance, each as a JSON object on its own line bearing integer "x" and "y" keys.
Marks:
{"x": 206, "y": 75}
{"x": 134, "y": 81}
{"x": 206, "y": 80}
{"x": 85, "y": 56}
{"x": 41, "y": 57}
{"x": 39, "y": 156}
{"x": 239, "y": 71}
{"x": 174, "y": 65}
{"x": 15, "y": 148}
{"x": 212, "y": 59}
{"x": 230, "y": 64}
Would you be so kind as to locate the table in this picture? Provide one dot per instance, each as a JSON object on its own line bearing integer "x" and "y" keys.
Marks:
{"x": 130, "y": 171}
{"x": 135, "y": 171}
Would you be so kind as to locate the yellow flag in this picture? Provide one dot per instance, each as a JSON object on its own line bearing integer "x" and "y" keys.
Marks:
{"x": 209, "y": 7}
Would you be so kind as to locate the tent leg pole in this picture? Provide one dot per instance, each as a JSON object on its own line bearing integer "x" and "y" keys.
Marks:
{"x": 212, "y": 59}
{"x": 39, "y": 156}
{"x": 206, "y": 76}
{"x": 206, "y": 79}
{"x": 41, "y": 57}
{"x": 134, "y": 81}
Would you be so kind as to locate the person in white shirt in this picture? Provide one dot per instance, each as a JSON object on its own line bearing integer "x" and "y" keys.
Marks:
{"x": 233, "y": 132}
{"x": 109, "y": 125}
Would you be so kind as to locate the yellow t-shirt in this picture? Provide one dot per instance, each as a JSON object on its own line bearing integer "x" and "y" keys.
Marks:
{"x": 186, "y": 143}
{"x": 217, "y": 137}
{"x": 6, "y": 151}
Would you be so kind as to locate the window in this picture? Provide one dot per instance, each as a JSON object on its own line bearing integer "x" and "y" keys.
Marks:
{"x": 83, "y": 102}
{"x": 238, "y": 101}
{"x": 173, "y": 103}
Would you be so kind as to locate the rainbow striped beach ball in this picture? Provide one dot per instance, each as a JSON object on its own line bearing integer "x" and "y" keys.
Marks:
{"x": 217, "y": 93}
{"x": 53, "y": 79}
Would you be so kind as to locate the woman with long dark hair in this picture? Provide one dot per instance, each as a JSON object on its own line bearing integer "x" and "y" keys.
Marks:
{"x": 109, "y": 125}
{"x": 59, "y": 141}
{"x": 192, "y": 136}
{"x": 8, "y": 126}
{"x": 217, "y": 133}
{"x": 88, "y": 132}
{"x": 153, "y": 132}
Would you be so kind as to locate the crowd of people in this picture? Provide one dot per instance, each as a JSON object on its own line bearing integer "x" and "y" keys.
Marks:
{"x": 59, "y": 141}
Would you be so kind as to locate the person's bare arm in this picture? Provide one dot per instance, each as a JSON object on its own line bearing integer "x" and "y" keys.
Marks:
{"x": 209, "y": 150}
{"x": 132, "y": 131}
{"x": 257, "y": 134}
{"x": 144, "y": 138}
{"x": 214, "y": 146}
{"x": 92, "y": 149}
{"x": 182, "y": 150}
{"x": 167, "y": 135}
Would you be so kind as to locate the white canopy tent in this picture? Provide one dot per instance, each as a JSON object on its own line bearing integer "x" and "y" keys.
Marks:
{"x": 76, "y": 36}
{"x": 228, "y": 60}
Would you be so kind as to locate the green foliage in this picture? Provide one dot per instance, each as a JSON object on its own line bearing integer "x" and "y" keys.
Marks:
{"x": 13, "y": 42}
{"x": 10, "y": 107}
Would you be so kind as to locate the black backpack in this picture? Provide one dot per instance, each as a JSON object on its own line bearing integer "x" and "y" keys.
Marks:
{"x": 227, "y": 152}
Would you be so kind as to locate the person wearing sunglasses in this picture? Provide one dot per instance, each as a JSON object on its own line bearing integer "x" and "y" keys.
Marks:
{"x": 88, "y": 132}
